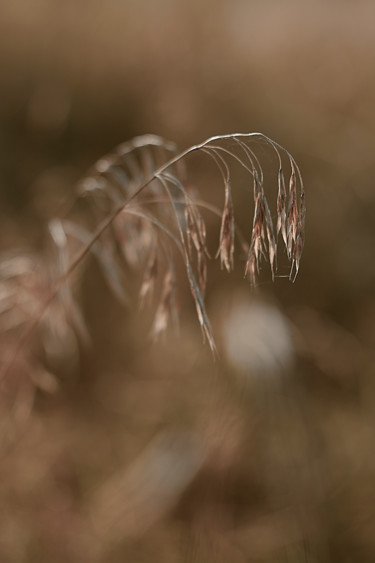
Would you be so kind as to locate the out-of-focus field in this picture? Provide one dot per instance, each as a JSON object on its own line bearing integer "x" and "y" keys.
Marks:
{"x": 153, "y": 452}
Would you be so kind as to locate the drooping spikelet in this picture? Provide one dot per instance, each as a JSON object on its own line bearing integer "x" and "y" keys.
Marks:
{"x": 167, "y": 308}
{"x": 281, "y": 206}
{"x": 226, "y": 241}
{"x": 262, "y": 243}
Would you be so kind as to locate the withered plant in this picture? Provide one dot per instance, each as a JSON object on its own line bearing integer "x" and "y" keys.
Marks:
{"x": 136, "y": 208}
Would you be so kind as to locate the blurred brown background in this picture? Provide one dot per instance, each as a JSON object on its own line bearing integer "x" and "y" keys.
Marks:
{"x": 154, "y": 453}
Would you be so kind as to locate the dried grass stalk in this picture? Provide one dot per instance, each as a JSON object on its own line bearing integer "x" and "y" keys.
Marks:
{"x": 139, "y": 203}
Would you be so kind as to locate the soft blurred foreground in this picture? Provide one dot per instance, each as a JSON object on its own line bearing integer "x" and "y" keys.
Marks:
{"x": 115, "y": 448}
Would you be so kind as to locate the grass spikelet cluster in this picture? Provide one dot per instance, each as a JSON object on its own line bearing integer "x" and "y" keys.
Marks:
{"x": 140, "y": 210}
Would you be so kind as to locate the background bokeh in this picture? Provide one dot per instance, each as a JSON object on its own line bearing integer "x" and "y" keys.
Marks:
{"x": 153, "y": 452}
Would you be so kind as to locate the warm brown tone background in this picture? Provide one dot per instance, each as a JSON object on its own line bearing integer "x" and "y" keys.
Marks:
{"x": 274, "y": 470}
